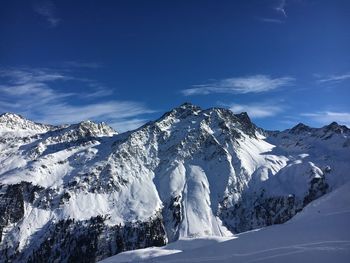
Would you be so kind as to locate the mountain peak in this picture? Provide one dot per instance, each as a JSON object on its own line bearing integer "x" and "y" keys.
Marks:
{"x": 244, "y": 117}
{"x": 189, "y": 106}
{"x": 300, "y": 127}
{"x": 91, "y": 128}
{"x": 191, "y": 114}
{"x": 17, "y": 124}
{"x": 10, "y": 116}
{"x": 335, "y": 127}
{"x": 182, "y": 111}
{"x": 12, "y": 119}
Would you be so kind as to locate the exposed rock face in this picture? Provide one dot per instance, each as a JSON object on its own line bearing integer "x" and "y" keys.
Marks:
{"x": 11, "y": 205}
{"x": 259, "y": 211}
{"x": 92, "y": 240}
{"x": 269, "y": 205}
{"x": 80, "y": 193}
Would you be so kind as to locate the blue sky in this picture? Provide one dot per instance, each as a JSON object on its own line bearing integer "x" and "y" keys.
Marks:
{"x": 126, "y": 62}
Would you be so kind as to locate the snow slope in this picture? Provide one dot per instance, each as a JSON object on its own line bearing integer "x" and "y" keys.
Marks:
{"x": 319, "y": 233}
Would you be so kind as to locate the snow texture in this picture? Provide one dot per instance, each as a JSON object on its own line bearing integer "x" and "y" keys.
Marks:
{"x": 320, "y": 233}
{"x": 192, "y": 173}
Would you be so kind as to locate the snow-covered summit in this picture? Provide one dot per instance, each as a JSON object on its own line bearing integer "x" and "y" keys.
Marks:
{"x": 191, "y": 117}
{"x": 16, "y": 125}
{"x": 10, "y": 117}
{"x": 189, "y": 106}
{"x": 92, "y": 129}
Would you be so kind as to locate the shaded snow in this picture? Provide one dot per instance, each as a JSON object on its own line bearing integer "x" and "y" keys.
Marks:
{"x": 320, "y": 233}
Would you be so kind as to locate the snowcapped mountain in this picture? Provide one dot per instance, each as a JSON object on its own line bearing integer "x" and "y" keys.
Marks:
{"x": 83, "y": 192}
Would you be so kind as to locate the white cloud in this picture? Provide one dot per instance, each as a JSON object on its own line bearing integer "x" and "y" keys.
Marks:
{"x": 30, "y": 93}
{"x": 47, "y": 9}
{"x": 115, "y": 111}
{"x": 241, "y": 85}
{"x": 335, "y": 78}
{"x": 257, "y": 110}
{"x": 326, "y": 117}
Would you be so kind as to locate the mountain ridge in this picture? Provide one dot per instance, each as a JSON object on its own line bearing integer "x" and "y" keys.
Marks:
{"x": 187, "y": 107}
{"x": 190, "y": 173}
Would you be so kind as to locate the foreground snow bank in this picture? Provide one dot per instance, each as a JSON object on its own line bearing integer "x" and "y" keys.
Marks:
{"x": 320, "y": 233}
{"x": 184, "y": 244}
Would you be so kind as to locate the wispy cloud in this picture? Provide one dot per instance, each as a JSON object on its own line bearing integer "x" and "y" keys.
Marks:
{"x": 122, "y": 115}
{"x": 257, "y": 110}
{"x": 281, "y": 8}
{"x": 99, "y": 92}
{"x": 240, "y": 85}
{"x": 81, "y": 64}
{"x": 334, "y": 78}
{"x": 280, "y": 12}
{"x": 326, "y": 117}
{"x": 271, "y": 20}
{"x": 32, "y": 93}
{"x": 26, "y": 75}
{"x": 47, "y": 10}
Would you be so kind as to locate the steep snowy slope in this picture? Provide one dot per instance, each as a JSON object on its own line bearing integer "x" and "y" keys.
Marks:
{"x": 84, "y": 192}
{"x": 319, "y": 233}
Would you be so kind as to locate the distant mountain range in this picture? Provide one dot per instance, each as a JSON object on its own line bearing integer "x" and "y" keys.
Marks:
{"x": 83, "y": 192}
